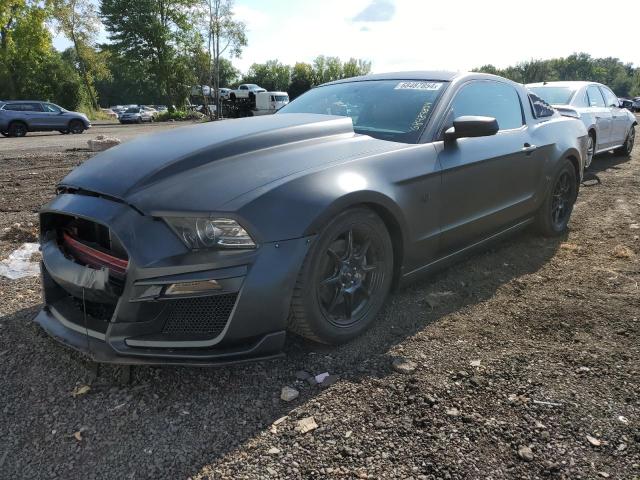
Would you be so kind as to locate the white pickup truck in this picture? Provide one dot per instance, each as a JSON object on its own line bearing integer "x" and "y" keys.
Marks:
{"x": 246, "y": 90}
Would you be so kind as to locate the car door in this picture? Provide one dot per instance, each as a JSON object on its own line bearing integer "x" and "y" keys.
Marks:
{"x": 619, "y": 117}
{"x": 32, "y": 114}
{"x": 487, "y": 182}
{"x": 603, "y": 117}
{"x": 53, "y": 117}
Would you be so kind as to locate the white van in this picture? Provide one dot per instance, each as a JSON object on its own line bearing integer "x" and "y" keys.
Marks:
{"x": 270, "y": 102}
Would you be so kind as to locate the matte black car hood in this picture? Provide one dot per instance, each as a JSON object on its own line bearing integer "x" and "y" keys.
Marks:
{"x": 201, "y": 167}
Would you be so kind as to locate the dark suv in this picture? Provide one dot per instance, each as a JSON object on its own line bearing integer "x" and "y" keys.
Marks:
{"x": 17, "y": 117}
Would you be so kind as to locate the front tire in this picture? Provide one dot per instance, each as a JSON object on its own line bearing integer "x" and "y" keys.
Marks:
{"x": 344, "y": 280}
{"x": 629, "y": 142}
{"x": 4, "y": 133}
{"x": 76, "y": 127}
{"x": 553, "y": 217}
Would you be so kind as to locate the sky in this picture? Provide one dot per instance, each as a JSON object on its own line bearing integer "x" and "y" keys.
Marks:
{"x": 456, "y": 35}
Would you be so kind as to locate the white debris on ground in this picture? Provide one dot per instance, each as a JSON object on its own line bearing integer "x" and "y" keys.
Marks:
{"x": 102, "y": 142}
{"x": 19, "y": 264}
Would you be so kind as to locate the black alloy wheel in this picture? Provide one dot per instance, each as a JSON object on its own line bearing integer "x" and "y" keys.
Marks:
{"x": 562, "y": 200}
{"x": 554, "y": 214}
{"x": 17, "y": 129}
{"x": 344, "y": 280}
{"x": 348, "y": 278}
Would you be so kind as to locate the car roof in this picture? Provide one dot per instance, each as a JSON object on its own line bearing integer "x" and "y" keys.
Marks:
{"x": 575, "y": 84}
{"x": 444, "y": 76}
{"x": 23, "y": 101}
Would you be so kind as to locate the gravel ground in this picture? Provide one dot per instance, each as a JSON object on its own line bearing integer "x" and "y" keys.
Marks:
{"x": 520, "y": 362}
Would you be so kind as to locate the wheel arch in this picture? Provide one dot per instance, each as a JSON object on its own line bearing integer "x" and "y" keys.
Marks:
{"x": 573, "y": 157}
{"x": 17, "y": 120}
{"x": 388, "y": 211}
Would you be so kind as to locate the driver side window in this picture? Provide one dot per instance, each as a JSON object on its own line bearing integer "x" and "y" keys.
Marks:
{"x": 48, "y": 107}
{"x": 488, "y": 98}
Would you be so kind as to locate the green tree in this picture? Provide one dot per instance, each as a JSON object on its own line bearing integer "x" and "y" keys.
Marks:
{"x": 355, "y": 67}
{"x": 154, "y": 35}
{"x": 29, "y": 65}
{"x": 302, "y": 79}
{"x": 622, "y": 78}
{"x": 271, "y": 75}
{"x": 225, "y": 35}
{"x": 78, "y": 20}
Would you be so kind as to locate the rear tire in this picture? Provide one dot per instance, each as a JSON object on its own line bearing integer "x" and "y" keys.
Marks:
{"x": 554, "y": 214}
{"x": 629, "y": 142}
{"x": 344, "y": 280}
{"x": 18, "y": 129}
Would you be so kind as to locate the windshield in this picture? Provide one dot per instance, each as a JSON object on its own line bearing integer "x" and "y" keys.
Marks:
{"x": 554, "y": 95}
{"x": 133, "y": 110}
{"x": 393, "y": 110}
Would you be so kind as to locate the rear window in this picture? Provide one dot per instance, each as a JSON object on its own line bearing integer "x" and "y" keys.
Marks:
{"x": 539, "y": 107}
{"x": 554, "y": 95}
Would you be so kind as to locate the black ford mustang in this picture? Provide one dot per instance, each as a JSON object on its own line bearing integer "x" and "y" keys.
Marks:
{"x": 205, "y": 244}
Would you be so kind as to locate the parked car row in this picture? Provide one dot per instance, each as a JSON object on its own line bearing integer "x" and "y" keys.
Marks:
{"x": 205, "y": 245}
{"x": 138, "y": 113}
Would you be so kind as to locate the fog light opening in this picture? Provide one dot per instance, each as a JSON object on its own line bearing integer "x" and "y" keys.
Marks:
{"x": 192, "y": 288}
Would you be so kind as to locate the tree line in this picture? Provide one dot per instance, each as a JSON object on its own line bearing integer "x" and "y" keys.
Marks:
{"x": 621, "y": 77}
{"x": 157, "y": 50}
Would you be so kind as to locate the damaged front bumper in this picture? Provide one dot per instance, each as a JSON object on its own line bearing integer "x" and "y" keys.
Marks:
{"x": 132, "y": 318}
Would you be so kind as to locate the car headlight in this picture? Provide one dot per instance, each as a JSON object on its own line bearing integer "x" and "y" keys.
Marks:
{"x": 197, "y": 233}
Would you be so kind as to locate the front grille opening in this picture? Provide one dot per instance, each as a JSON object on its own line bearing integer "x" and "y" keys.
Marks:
{"x": 99, "y": 311}
{"x": 202, "y": 316}
{"x": 73, "y": 234}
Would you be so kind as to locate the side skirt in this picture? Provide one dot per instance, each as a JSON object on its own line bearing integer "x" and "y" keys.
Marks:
{"x": 462, "y": 253}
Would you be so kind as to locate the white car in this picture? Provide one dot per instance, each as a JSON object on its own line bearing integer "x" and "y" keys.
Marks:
{"x": 246, "y": 90}
{"x": 610, "y": 127}
{"x": 224, "y": 92}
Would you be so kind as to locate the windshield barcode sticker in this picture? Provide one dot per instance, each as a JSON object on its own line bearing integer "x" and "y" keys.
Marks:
{"x": 418, "y": 86}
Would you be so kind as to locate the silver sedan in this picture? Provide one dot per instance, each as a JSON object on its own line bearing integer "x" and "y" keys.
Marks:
{"x": 610, "y": 127}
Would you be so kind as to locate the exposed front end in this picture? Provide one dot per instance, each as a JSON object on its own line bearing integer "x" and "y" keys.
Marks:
{"x": 122, "y": 287}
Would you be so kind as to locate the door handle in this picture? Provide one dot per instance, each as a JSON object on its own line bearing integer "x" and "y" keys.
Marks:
{"x": 528, "y": 149}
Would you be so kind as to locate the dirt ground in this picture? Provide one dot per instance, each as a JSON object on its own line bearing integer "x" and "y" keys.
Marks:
{"x": 527, "y": 367}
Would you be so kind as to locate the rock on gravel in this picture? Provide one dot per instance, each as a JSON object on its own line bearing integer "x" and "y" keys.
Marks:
{"x": 403, "y": 365}
{"x": 306, "y": 425}
{"x": 526, "y": 454}
{"x": 594, "y": 441}
{"x": 288, "y": 394}
{"x": 102, "y": 142}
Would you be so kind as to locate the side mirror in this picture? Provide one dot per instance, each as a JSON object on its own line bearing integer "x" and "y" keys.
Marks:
{"x": 471, "y": 126}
